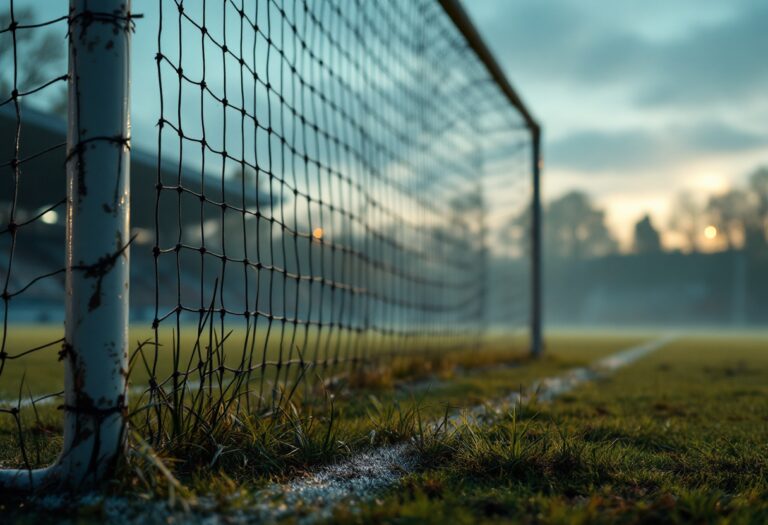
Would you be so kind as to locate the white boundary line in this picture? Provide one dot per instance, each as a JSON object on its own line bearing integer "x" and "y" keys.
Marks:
{"x": 359, "y": 478}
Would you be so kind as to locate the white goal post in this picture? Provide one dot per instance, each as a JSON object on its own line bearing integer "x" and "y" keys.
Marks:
{"x": 97, "y": 240}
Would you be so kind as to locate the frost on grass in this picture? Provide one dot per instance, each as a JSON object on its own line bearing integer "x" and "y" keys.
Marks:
{"x": 352, "y": 481}
{"x": 306, "y": 499}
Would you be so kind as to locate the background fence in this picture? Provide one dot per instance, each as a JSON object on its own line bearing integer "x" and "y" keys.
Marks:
{"x": 316, "y": 188}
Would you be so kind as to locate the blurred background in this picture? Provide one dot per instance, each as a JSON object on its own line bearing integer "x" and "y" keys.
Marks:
{"x": 656, "y": 154}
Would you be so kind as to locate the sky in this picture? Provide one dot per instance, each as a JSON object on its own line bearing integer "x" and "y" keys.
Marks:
{"x": 639, "y": 99}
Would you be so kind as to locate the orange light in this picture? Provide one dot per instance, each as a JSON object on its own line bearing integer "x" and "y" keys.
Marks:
{"x": 317, "y": 233}
{"x": 710, "y": 232}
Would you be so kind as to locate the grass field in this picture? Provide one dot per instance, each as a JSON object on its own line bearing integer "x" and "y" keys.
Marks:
{"x": 679, "y": 436}
{"x": 41, "y": 371}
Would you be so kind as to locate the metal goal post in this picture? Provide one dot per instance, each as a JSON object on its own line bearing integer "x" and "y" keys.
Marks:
{"x": 97, "y": 241}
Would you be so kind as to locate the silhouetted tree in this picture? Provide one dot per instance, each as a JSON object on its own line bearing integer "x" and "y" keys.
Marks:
{"x": 647, "y": 239}
{"x": 733, "y": 213}
{"x": 687, "y": 218}
{"x": 572, "y": 227}
{"x": 758, "y": 185}
{"x": 575, "y": 228}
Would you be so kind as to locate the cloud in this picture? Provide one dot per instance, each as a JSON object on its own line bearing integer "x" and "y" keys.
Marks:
{"x": 636, "y": 150}
{"x": 539, "y": 38}
{"x": 718, "y": 137}
{"x": 723, "y": 63}
{"x": 571, "y": 43}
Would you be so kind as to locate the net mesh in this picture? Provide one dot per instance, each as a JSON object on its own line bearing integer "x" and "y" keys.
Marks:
{"x": 324, "y": 187}
{"x": 32, "y": 209}
{"x": 323, "y": 191}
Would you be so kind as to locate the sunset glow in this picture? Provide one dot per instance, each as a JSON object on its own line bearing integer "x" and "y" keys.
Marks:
{"x": 711, "y": 182}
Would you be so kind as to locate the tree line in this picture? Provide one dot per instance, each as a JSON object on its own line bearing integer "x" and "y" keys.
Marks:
{"x": 574, "y": 227}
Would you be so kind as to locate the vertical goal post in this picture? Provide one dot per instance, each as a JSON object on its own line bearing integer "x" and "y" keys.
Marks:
{"x": 537, "y": 335}
{"x": 95, "y": 350}
{"x": 456, "y": 12}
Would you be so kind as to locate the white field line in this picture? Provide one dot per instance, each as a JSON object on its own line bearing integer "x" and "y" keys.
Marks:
{"x": 360, "y": 478}
{"x": 312, "y": 498}
{"x": 547, "y": 389}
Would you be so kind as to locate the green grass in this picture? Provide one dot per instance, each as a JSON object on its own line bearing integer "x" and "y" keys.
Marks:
{"x": 456, "y": 380}
{"x": 42, "y": 371}
{"x": 680, "y": 436}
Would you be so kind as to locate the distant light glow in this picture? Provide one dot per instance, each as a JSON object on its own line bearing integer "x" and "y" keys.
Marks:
{"x": 318, "y": 233}
{"x": 50, "y": 217}
{"x": 712, "y": 182}
{"x": 710, "y": 232}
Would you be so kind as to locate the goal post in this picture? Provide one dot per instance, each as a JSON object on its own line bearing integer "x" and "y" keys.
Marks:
{"x": 455, "y": 10}
{"x": 97, "y": 255}
{"x": 537, "y": 342}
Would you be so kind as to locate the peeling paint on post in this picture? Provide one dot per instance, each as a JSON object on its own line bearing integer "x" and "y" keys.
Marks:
{"x": 97, "y": 237}
{"x": 97, "y": 254}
